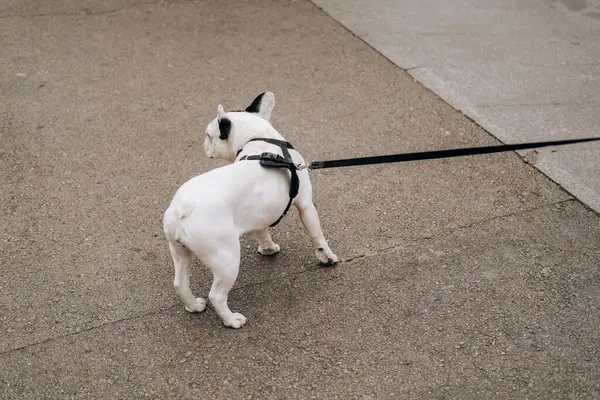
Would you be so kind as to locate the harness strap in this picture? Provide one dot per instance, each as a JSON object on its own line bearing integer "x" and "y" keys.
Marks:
{"x": 271, "y": 160}
{"x": 283, "y": 145}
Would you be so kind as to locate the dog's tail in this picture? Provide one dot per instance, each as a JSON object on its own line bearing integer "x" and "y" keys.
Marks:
{"x": 173, "y": 223}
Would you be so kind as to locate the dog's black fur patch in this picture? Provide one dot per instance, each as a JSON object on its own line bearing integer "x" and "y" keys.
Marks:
{"x": 255, "y": 106}
{"x": 224, "y": 128}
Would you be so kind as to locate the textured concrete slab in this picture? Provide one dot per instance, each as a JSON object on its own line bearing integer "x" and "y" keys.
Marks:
{"x": 97, "y": 142}
{"x": 533, "y": 57}
{"x": 488, "y": 84}
{"x": 409, "y": 50}
{"x": 491, "y": 310}
{"x": 434, "y": 33}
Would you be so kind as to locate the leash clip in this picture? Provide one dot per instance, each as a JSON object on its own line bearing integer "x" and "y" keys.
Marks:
{"x": 301, "y": 167}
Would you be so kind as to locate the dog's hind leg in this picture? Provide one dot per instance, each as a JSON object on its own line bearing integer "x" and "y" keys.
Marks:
{"x": 266, "y": 246}
{"x": 225, "y": 264}
{"x": 182, "y": 259}
{"x": 311, "y": 222}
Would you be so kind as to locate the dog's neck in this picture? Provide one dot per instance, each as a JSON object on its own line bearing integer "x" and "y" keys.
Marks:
{"x": 239, "y": 143}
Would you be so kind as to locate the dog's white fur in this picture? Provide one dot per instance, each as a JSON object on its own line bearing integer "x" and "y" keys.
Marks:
{"x": 210, "y": 212}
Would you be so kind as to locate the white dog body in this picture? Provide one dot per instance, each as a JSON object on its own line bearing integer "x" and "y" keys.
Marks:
{"x": 210, "y": 212}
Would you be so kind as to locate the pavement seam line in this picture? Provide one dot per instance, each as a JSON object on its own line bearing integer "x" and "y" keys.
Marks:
{"x": 150, "y": 312}
{"x": 310, "y": 269}
{"x": 91, "y": 328}
{"x": 458, "y": 228}
{"x": 512, "y": 214}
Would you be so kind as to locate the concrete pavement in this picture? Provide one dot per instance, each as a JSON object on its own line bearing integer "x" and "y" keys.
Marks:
{"x": 524, "y": 71}
{"x": 468, "y": 278}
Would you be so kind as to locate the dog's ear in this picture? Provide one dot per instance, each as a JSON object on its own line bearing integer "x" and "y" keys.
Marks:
{"x": 220, "y": 112}
{"x": 262, "y": 105}
{"x": 224, "y": 123}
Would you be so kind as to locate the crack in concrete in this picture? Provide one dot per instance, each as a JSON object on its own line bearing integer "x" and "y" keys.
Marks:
{"x": 90, "y": 328}
{"x": 84, "y": 12}
{"x": 310, "y": 269}
{"x": 458, "y": 228}
{"x": 513, "y": 214}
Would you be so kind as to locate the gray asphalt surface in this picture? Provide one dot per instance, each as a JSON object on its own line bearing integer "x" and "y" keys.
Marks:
{"x": 462, "y": 278}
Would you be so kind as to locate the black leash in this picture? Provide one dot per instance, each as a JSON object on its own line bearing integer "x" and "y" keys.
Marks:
{"x": 431, "y": 155}
{"x": 271, "y": 160}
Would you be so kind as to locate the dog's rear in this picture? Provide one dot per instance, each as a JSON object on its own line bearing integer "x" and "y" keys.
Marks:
{"x": 173, "y": 222}
{"x": 201, "y": 223}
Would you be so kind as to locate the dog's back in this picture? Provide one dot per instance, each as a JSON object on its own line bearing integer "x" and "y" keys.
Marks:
{"x": 243, "y": 196}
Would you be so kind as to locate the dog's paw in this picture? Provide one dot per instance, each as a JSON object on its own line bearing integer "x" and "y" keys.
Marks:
{"x": 326, "y": 257}
{"x": 235, "y": 321}
{"x": 198, "y": 307}
{"x": 269, "y": 251}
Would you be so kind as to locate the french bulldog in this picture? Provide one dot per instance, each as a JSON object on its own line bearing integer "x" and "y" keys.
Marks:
{"x": 210, "y": 212}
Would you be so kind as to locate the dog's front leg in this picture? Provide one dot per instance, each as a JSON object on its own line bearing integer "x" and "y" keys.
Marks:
{"x": 266, "y": 246}
{"x": 310, "y": 219}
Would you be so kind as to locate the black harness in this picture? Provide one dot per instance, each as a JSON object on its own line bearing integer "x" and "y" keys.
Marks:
{"x": 271, "y": 160}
